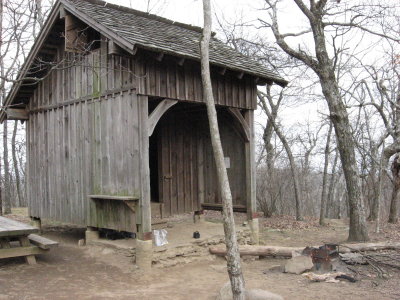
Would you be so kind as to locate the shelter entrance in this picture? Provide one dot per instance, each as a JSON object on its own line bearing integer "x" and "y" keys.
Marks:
{"x": 182, "y": 169}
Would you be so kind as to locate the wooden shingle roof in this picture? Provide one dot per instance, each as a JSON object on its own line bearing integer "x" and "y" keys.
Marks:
{"x": 154, "y": 33}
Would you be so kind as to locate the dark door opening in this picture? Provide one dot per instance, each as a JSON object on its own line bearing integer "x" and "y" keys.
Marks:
{"x": 153, "y": 165}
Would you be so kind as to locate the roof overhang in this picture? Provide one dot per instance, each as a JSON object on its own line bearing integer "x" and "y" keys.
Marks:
{"x": 63, "y": 6}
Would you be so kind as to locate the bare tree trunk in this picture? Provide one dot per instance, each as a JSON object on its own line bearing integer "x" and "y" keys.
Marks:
{"x": 332, "y": 186}
{"x": 393, "y": 214}
{"x": 7, "y": 191}
{"x": 325, "y": 70}
{"x": 2, "y": 86}
{"x": 6, "y": 200}
{"x": 324, "y": 194}
{"x": 281, "y": 136}
{"x": 233, "y": 257}
{"x": 378, "y": 199}
{"x": 19, "y": 200}
{"x": 270, "y": 159}
{"x": 358, "y": 228}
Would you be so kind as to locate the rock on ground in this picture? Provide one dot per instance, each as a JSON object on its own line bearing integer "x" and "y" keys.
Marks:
{"x": 299, "y": 264}
{"x": 254, "y": 294}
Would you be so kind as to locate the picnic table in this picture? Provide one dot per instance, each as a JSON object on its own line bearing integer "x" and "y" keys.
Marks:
{"x": 29, "y": 244}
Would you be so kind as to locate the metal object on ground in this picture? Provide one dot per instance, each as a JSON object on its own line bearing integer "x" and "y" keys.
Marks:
{"x": 196, "y": 235}
{"x": 322, "y": 256}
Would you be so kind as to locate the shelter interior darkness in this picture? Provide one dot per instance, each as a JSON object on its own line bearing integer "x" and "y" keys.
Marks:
{"x": 182, "y": 168}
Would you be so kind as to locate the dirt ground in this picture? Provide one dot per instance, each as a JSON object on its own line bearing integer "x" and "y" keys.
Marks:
{"x": 72, "y": 272}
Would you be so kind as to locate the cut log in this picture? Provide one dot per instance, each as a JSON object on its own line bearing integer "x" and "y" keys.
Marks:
{"x": 259, "y": 250}
{"x": 346, "y": 248}
{"x": 287, "y": 251}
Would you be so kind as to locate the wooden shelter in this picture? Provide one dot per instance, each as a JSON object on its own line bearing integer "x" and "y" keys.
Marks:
{"x": 117, "y": 127}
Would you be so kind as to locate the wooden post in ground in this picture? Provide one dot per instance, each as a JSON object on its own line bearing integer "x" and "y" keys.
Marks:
{"x": 91, "y": 234}
{"x": 144, "y": 243}
{"x": 37, "y": 223}
{"x": 198, "y": 216}
{"x": 24, "y": 241}
{"x": 251, "y": 180}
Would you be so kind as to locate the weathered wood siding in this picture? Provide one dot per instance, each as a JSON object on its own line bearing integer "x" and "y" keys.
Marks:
{"x": 81, "y": 149}
{"x": 97, "y": 72}
{"x": 187, "y": 173}
{"x": 86, "y": 136}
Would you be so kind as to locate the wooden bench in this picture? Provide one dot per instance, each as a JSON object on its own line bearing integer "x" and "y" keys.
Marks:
{"x": 129, "y": 201}
{"x": 30, "y": 244}
{"x": 42, "y": 242}
{"x": 218, "y": 206}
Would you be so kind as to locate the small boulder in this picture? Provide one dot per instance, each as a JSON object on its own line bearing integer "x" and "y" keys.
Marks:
{"x": 299, "y": 264}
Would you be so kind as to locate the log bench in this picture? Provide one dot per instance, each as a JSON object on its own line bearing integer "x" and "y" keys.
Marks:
{"x": 30, "y": 244}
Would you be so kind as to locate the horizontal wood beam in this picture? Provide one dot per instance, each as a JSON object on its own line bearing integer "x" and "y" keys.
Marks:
{"x": 218, "y": 206}
{"x": 63, "y": 12}
{"x": 113, "y": 48}
{"x": 17, "y": 114}
{"x": 157, "y": 113}
{"x": 241, "y": 123}
{"x": 115, "y": 198}
{"x": 21, "y": 251}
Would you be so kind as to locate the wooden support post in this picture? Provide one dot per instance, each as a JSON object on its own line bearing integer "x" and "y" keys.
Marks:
{"x": 145, "y": 198}
{"x": 144, "y": 254}
{"x": 5, "y": 243}
{"x": 144, "y": 243}
{"x": 250, "y": 167}
{"x": 37, "y": 223}
{"x": 91, "y": 234}
{"x": 254, "y": 231}
{"x": 24, "y": 241}
{"x": 200, "y": 171}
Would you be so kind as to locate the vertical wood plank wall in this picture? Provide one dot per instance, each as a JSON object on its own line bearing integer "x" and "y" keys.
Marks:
{"x": 97, "y": 72}
{"x": 83, "y": 137}
{"x": 81, "y": 149}
{"x": 188, "y": 173}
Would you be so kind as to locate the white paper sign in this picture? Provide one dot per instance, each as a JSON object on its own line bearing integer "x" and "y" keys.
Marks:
{"x": 227, "y": 162}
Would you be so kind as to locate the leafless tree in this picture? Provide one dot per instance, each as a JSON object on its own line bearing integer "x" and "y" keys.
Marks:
{"x": 233, "y": 256}
{"x": 324, "y": 65}
{"x": 324, "y": 194}
{"x": 271, "y": 109}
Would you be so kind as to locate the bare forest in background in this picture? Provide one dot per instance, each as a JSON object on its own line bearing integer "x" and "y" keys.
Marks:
{"x": 299, "y": 162}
